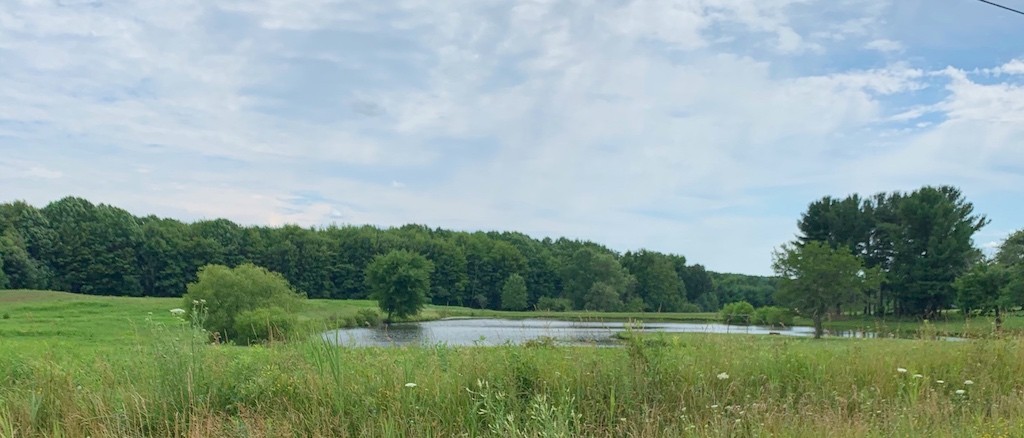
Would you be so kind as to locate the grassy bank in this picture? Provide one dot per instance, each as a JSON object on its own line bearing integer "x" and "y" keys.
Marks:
{"x": 94, "y": 366}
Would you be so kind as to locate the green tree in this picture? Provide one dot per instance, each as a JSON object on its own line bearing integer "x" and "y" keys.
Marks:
{"x": 602, "y": 297}
{"x": 657, "y": 281}
{"x": 222, "y": 296}
{"x": 399, "y": 281}
{"x": 934, "y": 247}
{"x": 588, "y": 267}
{"x": 513, "y": 293}
{"x": 986, "y": 288}
{"x": 3, "y": 277}
{"x": 1011, "y": 251}
{"x": 815, "y": 276}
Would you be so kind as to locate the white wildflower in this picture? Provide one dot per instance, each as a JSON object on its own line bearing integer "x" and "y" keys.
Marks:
{"x": 177, "y": 311}
{"x": 968, "y": 382}
{"x": 918, "y": 376}
{"x": 723, "y": 376}
{"x": 901, "y": 370}
{"x": 410, "y": 385}
{"x": 941, "y": 382}
{"x": 960, "y": 392}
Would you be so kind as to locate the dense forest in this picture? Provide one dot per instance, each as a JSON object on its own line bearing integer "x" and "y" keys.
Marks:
{"x": 76, "y": 246}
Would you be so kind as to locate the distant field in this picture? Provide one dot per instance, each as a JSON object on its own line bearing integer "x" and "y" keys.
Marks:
{"x": 76, "y": 366}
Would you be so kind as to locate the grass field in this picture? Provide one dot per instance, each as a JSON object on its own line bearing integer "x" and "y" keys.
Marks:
{"x": 81, "y": 366}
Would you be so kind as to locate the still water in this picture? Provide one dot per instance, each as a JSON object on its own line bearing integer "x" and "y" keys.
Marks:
{"x": 484, "y": 331}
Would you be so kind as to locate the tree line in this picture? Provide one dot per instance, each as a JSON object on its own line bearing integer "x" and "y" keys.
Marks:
{"x": 76, "y": 246}
{"x": 908, "y": 254}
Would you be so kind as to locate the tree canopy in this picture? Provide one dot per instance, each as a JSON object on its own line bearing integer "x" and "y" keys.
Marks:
{"x": 399, "y": 281}
{"x": 77, "y": 246}
{"x": 815, "y": 277}
{"x": 920, "y": 242}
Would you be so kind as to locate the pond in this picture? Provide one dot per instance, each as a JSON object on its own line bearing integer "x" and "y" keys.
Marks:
{"x": 487, "y": 331}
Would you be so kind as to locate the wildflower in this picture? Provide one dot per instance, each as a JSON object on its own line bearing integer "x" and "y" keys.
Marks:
{"x": 960, "y": 392}
{"x": 177, "y": 312}
{"x": 714, "y": 406}
{"x": 410, "y": 385}
{"x": 918, "y": 376}
{"x": 723, "y": 376}
{"x": 901, "y": 370}
{"x": 941, "y": 382}
{"x": 968, "y": 382}
{"x": 195, "y": 302}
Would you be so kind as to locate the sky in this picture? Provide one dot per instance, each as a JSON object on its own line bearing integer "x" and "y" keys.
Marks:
{"x": 695, "y": 127}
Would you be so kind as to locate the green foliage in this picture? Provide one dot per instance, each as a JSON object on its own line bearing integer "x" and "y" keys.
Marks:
{"x": 740, "y": 312}
{"x": 588, "y": 267}
{"x": 551, "y": 304}
{"x": 602, "y": 297}
{"x": 727, "y": 288}
{"x": 264, "y": 324}
{"x": 399, "y": 281}
{"x": 1011, "y": 251}
{"x": 657, "y": 281}
{"x": 4, "y": 283}
{"x": 919, "y": 242}
{"x": 990, "y": 287}
{"x": 816, "y": 278}
{"x": 513, "y": 293}
{"x": 688, "y": 308}
{"x": 773, "y": 316}
{"x": 222, "y": 294}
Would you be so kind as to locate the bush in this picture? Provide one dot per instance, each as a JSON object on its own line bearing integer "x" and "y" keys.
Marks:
{"x": 740, "y": 312}
{"x": 367, "y": 318}
{"x": 689, "y": 308}
{"x": 773, "y": 316}
{"x": 264, "y": 324}
{"x": 221, "y": 294}
{"x": 635, "y": 304}
{"x": 554, "y": 304}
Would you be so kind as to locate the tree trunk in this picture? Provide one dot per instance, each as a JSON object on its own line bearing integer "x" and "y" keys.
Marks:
{"x": 999, "y": 321}
{"x": 818, "y": 329}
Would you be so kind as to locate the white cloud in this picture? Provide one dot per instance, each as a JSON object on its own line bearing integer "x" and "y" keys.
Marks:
{"x": 884, "y": 45}
{"x": 693, "y": 126}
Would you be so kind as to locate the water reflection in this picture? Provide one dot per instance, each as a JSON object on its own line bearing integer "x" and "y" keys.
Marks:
{"x": 461, "y": 332}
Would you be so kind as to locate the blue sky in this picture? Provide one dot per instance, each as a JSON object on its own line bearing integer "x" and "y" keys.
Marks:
{"x": 699, "y": 127}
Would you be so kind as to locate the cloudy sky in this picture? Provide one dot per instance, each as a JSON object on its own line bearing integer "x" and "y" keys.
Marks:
{"x": 699, "y": 127}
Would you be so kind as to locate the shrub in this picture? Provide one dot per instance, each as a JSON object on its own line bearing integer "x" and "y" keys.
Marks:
{"x": 367, "y": 318}
{"x": 689, "y": 308}
{"x": 773, "y": 316}
{"x": 635, "y": 304}
{"x": 740, "y": 312}
{"x": 220, "y": 294}
{"x": 554, "y": 304}
{"x": 264, "y": 324}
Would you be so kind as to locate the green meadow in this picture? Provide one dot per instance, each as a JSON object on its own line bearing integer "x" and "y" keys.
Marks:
{"x": 77, "y": 366}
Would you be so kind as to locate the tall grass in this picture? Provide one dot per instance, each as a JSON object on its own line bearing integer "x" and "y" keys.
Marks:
{"x": 91, "y": 366}
{"x": 693, "y": 385}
